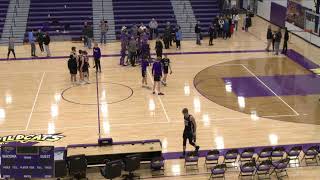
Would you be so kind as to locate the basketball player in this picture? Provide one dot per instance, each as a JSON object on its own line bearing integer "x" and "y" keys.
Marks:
{"x": 165, "y": 62}
{"x": 157, "y": 74}
{"x": 85, "y": 66}
{"x": 189, "y": 132}
{"x": 80, "y": 64}
{"x": 72, "y": 65}
{"x": 144, "y": 65}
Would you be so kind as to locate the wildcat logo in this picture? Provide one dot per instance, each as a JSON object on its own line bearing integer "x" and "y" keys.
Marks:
{"x": 31, "y": 138}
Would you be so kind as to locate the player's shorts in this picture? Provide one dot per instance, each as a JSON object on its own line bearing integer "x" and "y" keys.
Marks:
{"x": 157, "y": 78}
{"x": 165, "y": 70}
{"x": 143, "y": 73}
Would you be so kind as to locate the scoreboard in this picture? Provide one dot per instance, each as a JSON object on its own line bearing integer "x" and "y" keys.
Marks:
{"x": 27, "y": 161}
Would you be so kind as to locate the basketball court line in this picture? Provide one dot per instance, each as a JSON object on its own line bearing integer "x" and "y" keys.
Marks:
{"x": 35, "y": 100}
{"x": 249, "y": 71}
{"x": 270, "y": 89}
{"x": 160, "y": 100}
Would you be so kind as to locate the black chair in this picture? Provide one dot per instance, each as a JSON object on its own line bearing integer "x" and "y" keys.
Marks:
{"x": 131, "y": 164}
{"x": 77, "y": 166}
{"x": 112, "y": 169}
{"x": 293, "y": 154}
{"x": 157, "y": 164}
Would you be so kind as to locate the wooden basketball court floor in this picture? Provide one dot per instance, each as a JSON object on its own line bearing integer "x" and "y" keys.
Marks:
{"x": 31, "y": 101}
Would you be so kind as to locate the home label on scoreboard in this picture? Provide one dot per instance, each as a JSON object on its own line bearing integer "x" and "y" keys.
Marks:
{"x": 27, "y": 161}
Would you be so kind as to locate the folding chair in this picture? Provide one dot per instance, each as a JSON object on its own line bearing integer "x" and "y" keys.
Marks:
{"x": 246, "y": 155}
{"x": 311, "y": 153}
{"x": 231, "y": 157}
{"x": 280, "y": 167}
{"x": 247, "y": 169}
{"x": 191, "y": 159}
{"x": 212, "y": 158}
{"x": 293, "y": 154}
{"x": 218, "y": 171}
{"x": 264, "y": 169}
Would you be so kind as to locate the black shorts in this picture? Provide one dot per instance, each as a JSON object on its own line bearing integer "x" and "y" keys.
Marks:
{"x": 165, "y": 70}
{"x": 143, "y": 73}
{"x": 157, "y": 78}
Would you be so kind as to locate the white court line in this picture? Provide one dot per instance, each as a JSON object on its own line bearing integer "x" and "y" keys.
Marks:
{"x": 296, "y": 113}
{"x": 161, "y": 103}
{"x": 35, "y": 100}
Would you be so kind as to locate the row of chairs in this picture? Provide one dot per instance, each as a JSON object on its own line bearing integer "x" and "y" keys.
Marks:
{"x": 131, "y": 163}
{"x": 262, "y": 170}
{"x": 268, "y": 158}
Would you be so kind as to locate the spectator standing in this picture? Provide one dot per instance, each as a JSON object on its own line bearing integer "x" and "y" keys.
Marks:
{"x": 236, "y": 19}
{"x": 277, "y": 41}
{"x": 103, "y": 30}
{"x": 46, "y": 41}
{"x": 32, "y": 43}
{"x": 166, "y": 37}
{"x": 226, "y": 28}
{"x": 88, "y": 35}
{"x": 159, "y": 48}
{"x": 269, "y": 37}
{"x": 178, "y": 37}
{"x": 11, "y": 48}
{"x": 285, "y": 41}
{"x": 211, "y": 34}
{"x": 40, "y": 37}
{"x": 197, "y": 30}
{"x": 221, "y": 23}
{"x": 132, "y": 50}
{"x": 153, "y": 25}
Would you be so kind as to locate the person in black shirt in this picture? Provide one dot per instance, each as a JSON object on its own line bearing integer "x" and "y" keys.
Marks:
{"x": 73, "y": 67}
{"x": 40, "y": 36}
{"x": 277, "y": 41}
{"x": 46, "y": 41}
{"x": 165, "y": 63}
{"x": 159, "y": 48}
{"x": 197, "y": 30}
{"x": 285, "y": 41}
{"x": 211, "y": 34}
{"x": 269, "y": 37}
{"x": 189, "y": 132}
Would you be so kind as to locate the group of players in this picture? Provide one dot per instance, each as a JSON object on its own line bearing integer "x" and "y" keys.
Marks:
{"x": 80, "y": 63}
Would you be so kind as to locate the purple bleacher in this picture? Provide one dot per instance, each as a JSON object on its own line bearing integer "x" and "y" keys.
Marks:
{"x": 4, "y": 4}
{"x": 205, "y": 11}
{"x": 129, "y": 12}
{"x": 72, "y": 13}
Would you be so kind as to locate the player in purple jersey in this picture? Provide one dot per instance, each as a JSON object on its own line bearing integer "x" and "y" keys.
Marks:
{"x": 144, "y": 65}
{"x": 157, "y": 74}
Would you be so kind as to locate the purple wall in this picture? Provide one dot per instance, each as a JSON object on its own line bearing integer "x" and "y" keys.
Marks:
{"x": 278, "y": 14}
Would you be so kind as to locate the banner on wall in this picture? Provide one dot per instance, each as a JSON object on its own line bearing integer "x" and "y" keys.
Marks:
{"x": 296, "y": 13}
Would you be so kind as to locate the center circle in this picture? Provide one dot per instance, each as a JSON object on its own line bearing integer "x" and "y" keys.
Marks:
{"x": 109, "y": 93}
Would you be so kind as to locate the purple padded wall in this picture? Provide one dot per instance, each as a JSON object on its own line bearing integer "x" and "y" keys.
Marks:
{"x": 278, "y": 14}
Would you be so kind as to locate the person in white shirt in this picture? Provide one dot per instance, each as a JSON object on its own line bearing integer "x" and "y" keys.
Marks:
{"x": 153, "y": 25}
{"x": 236, "y": 19}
